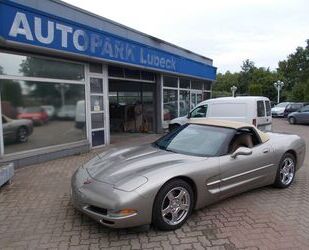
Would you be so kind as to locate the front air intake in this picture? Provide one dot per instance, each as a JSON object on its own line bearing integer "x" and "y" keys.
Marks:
{"x": 97, "y": 210}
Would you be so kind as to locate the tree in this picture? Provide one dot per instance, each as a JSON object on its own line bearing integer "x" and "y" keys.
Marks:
{"x": 295, "y": 72}
{"x": 224, "y": 82}
{"x": 50, "y": 93}
{"x": 255, "y": 89}
{"x": 249, "y": 81}
{"x": 245, "y": 76}
{"x": 11, "y": 92}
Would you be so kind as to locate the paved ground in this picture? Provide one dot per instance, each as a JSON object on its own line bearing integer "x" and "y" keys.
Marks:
{"x": 36, "y": 213}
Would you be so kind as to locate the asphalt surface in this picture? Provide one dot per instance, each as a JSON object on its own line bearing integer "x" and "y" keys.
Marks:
{"x": 36, "y": 213}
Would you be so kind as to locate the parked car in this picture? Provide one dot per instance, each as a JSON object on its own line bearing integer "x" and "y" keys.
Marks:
{"x": 50, "y": 110}
{"x": 251, "y": 109}
{"x": 293, "y": 106}
{"x": 272, "y": 104}
{"x": 67, "y": 112}
{"x": 80, "y": 114}
{"x": 16, "y": 130}
{"x": 278, "y": 110}
{"x": 37, "y": 114}
{"x": 191, "y": 167}
{"x": 300, "y": 116}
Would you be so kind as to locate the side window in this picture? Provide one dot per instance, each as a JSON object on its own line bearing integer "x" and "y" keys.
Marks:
{"x": 305, "y": 109}
{"x": 245, "y": 137}
{"x": 199, "y": 112}
{"x": 268, "y": 108}
{"x": 298, "y": 107}
{"x": 260, "y": 109}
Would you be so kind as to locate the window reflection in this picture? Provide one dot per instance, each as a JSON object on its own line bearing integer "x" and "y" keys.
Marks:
{"x": 184, "y": 97}
{"x": 40, "y": 114}
{"x": 170, "y": 104}
{"x": 18, "y": 65}
{"x": 184, "y": 102}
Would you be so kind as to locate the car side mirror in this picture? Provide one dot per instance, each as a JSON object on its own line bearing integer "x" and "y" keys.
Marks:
{"x": 241, "y": 151}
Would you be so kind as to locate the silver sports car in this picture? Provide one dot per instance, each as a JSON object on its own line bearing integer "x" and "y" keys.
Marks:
{"x": 193, "y": 166}
{"x": 16, "y": 130}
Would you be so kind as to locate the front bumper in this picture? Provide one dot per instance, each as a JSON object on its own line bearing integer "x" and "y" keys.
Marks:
{"x": 277, "y": 114}
{"x": 98, "y": 199}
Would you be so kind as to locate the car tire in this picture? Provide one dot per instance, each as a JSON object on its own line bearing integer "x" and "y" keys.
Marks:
{"x": 172, "y": 127}
{"x": 173, "y": 205}
{"x": 292, "y": 120}
{"x": 22, "y": 135}
{"x": 286, "y": 171}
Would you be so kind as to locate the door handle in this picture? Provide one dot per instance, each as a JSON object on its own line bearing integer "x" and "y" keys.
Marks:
{"x": 265, "y": 150}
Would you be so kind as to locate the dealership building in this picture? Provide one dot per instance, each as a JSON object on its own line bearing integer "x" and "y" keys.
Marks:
{"x": 70, "y": 80}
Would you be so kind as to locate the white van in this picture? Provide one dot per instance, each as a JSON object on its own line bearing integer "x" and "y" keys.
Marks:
{"x": 255, "y": 110}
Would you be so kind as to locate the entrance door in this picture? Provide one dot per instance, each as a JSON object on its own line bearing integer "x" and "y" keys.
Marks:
{"x": 132, "y": 106}
{"x": 97, "y": 110}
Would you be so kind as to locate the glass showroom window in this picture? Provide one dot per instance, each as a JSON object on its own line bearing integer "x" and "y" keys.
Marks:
{"x": 40, "y": 101}
{"x": 170, "y": 98}
{"x": 184, "y": 102}
{"x": 170, "y": 104}
{"x": 182, "y": 94}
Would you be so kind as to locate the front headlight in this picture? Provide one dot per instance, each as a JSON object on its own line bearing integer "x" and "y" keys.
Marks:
{"x": 126, "y": 212}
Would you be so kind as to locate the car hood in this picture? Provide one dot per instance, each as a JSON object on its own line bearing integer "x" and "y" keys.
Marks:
{"x": 118, "y": 164}
{"x": 278, "y": 109}
{"x": 19, "y": 122}
{"x": 181, "y": 120}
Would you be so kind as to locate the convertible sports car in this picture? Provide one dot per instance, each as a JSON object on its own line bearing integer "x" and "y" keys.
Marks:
{"x": 193, "y": 166}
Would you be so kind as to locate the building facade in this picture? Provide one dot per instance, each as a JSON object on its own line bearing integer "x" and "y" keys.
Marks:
{"x": 69, "y": 80}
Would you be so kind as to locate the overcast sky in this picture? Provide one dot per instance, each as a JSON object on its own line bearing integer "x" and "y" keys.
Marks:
{"x": 228, "y": 31}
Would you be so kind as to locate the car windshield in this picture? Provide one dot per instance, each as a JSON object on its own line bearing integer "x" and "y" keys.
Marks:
{"x": 282, "y": 104}
{"x": 32, "y": 109}
{"x": 197, "y": 140}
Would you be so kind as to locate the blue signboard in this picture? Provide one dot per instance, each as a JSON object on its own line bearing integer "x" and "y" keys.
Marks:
{"x": 29, "y": 26}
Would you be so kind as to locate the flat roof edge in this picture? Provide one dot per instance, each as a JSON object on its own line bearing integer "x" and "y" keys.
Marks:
{"x": 127, "y": 27}
{"x": 91, "y": 19}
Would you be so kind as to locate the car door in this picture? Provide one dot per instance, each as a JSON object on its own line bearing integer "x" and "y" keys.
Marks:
{"x": 199, "y": 112}
{"x": 263, "y": 119}
{"x": 306, "y": 115}
{"x": 246, "y": 171}
{"x": 303, "y": 115}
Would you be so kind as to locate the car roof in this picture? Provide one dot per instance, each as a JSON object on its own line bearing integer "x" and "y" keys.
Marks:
{"x": 247, "y": 98}
{"x": 228, "y": 124}
{"x": 237, "y": 99}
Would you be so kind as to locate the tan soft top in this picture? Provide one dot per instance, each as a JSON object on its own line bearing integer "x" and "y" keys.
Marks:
{"x": 228, "y": 124}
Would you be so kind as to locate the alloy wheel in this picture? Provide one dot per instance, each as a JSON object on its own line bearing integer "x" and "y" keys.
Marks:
{"x": 287, "y": 171}
{"x": 22, "y": 135}
{"x": 292, "y": 120}
{"x": 175, "y": 205}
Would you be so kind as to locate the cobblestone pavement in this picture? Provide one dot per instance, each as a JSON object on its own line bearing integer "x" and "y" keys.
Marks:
{"x": 36, "y": 213}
